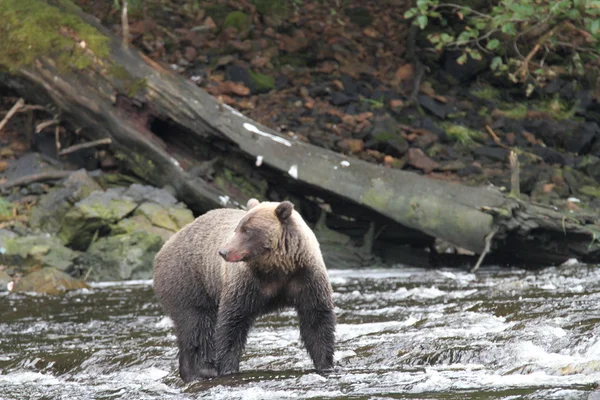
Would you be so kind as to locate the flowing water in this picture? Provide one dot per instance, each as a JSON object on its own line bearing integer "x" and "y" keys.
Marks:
{"x": 402, "y": 333}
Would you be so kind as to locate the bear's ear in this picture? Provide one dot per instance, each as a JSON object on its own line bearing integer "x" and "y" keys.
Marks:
{"x": 252, "y": 203}
{"x": 284, "y": 210}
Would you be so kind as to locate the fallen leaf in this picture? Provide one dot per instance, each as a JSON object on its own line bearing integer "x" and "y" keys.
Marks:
{"x": 548, "y": 187}
{"x": 404, "y": 72}
{"x": 370, "y": 32}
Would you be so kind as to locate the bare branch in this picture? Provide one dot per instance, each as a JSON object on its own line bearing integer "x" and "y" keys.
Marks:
{"x": 80, "y": 146}
{"x": 20, "y": 103}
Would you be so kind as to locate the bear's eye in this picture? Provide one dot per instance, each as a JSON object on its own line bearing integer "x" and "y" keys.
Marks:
{"x": 246, "y": 231}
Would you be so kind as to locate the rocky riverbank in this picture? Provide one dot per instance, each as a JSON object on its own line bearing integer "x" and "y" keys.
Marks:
{"x": 54, "y": 238}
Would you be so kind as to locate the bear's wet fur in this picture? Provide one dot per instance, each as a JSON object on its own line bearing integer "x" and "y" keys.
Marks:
{"x": 216, "y": 275}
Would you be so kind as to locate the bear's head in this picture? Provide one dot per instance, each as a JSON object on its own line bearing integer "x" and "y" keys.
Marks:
{"x": 260, "y": 233}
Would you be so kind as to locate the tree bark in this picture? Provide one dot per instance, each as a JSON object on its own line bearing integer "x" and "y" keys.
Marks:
{"x": 104, "y": 106}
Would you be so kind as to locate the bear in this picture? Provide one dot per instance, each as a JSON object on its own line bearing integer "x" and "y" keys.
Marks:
{"x": 220, "y": 272}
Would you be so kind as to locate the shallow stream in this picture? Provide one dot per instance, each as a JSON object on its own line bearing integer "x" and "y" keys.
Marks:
{"x": 402, "y": 333}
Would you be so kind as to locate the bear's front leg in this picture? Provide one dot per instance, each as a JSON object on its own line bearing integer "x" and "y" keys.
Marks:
{"x": 237, "y": 311}
{"x": 317, "y": 320}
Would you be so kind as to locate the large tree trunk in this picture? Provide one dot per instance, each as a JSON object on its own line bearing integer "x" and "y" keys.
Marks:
{"x": 182, "y": 124}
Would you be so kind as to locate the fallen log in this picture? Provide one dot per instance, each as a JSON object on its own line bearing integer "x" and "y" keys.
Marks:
{"x": 134, "y": 107}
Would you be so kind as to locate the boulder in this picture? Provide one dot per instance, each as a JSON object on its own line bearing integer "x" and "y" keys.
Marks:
{"x": 49, "y": 281}
{"x": 48, "y": 214}
{"x": 122, "y": 257}
{"x": 171, "y": 218}
{"x": 43, "y": 250}
{"x": 94, "y": 214}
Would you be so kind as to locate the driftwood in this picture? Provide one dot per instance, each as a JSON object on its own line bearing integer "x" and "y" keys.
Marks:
{"x": 97, "y": 103}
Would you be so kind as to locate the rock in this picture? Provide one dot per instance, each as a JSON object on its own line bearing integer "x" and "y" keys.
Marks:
{"x": 44, "y": 250}
{"x": 549, "y": 155}
{"x": 353, "y": 146}
{"x": 494, "y": 153}
{"x": 593, "y": 170}
{"x": 438, "y": 109}
{"x": 424, "y": 141}
{"x": 48, "y": 281}
{"x": 581, "y": 140}
{"x": 141, "y": 193}
{"x": 470, "y": 170}
{"x": 387, "y": 137}
{"x": 47, "y": 215}
{"x": 28, "y": 164}
{"x": 139, "y": 223}
{"x": 94, "y": 214}
{"x": 461, "y": 72}
{"x": 190, "y": 53}
{"x": 173, "y": 218}
{"x": 421, "y": 161}
{"x": 122, "y": 257}
{"x": 5, "y": 279}
{"x": 5, "y": 234}
{"x": 340, "y": 98}
{"x": 255, "y": 81}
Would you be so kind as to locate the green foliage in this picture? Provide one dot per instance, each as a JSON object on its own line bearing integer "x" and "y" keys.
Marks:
{"x": 31, "y": 29}
{"x": 261, "y": 82}
{"x": 528, "y": 41}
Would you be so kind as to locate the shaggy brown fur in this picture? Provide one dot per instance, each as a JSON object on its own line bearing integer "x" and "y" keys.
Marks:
{"x": 270, "y": 259}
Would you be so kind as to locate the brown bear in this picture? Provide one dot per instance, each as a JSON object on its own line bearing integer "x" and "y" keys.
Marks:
{"x": 223, "y": 270}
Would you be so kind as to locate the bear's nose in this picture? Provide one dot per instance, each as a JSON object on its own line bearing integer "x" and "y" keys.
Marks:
{"x": 223, "y": 253}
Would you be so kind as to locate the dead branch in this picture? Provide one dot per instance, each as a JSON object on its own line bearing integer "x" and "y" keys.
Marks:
{"x": 40, "y": 177}
{"x": 43, "y": 125}
{"x": 80, "y": 146}
{"x": 20, "y": 103}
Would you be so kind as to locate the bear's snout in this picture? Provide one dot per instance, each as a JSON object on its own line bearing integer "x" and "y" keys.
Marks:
{"x": 231, "y": 256}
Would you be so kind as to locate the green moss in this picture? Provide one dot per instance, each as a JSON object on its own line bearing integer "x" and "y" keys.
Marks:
{"x": 516, "y": 111}
{"x": 31, "y": 29}
{"x": 238, "y": 20}
{"x": 461, "y": 134}
{"x": 486, "y": 92}
{"x": 6, "y": 209}
{"x": 261, "y": 82}
{"x": 232, "y": 182}
{"x": 136, "y": 86}
{"x": 558, "y": 108}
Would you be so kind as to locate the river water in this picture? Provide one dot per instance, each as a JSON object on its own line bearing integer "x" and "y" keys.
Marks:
{"x": 402, "y": 333}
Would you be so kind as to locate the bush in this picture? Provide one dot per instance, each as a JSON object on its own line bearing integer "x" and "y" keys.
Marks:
{"x": 529, "y": 41}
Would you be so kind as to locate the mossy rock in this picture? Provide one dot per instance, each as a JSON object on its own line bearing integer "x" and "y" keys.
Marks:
{"x": 122, "y": 257}
{"x": 172, "y": 218}
{"x": 238, "y": 20}
{"x": 30, "y": 30}
{"x": 43, "y": 250}
{"x": 50, "y": 281}
{"x": 94, "y": 214}
{"x": 359, "y": 16}
{"x": 139, "y": 223}
{"x": 48, "y": 214}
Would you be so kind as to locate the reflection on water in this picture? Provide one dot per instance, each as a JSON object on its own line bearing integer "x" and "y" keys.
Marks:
{"x": 402, "y": 333}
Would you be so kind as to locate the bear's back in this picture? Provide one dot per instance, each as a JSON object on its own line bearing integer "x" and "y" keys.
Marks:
{"x": 188, "y": 263}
